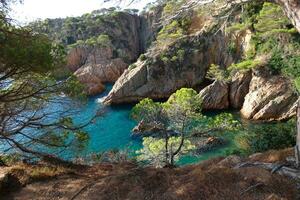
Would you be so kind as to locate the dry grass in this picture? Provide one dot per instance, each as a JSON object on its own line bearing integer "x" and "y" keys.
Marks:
{"x": 213, "y": 179}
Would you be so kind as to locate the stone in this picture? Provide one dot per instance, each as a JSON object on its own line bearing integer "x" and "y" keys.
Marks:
{"x": 239, "y": 88}
{"x": 270, "y": 98}
{"x": 215, "y": 96}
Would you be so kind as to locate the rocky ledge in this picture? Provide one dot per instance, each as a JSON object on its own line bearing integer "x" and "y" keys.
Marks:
{"x": 269, "y": 98}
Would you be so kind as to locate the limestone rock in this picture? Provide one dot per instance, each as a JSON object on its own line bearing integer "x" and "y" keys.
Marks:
{"x": 215, "y": 96}
{"x": 100, "y": 68}
{"x": 269, "y": 98}
{"x": 239, "y": 88}
{"x": 157, "y": 79}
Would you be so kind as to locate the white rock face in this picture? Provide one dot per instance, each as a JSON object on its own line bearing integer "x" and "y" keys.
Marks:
{"x": 215, "y": 96}
{"x": 269, "y": 98}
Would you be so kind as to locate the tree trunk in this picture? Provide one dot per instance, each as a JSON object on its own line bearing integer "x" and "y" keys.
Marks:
{"x": 297, "y": 148}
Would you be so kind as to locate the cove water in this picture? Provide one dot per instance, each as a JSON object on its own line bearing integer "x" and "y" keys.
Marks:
{"x": 113, "y": 132}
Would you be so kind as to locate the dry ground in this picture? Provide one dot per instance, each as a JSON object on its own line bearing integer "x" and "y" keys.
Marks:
{"x": 215, "y": 179}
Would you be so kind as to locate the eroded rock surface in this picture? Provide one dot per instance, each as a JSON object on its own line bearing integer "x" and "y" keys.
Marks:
{"x": 269, "y": 98}
{"x": 157, "y": 79}
{"x": 239, "y": 88}
{"x": 215, "y": 96}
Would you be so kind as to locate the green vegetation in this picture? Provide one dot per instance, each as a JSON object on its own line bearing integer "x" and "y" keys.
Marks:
{"x": 260, "y": 138}
{"x": 176, "y": 29}
{"x": 176, "y": 122}
{"x": 274, "y": 38}
{"x": 72, "y": 29}
{"x": 29, "y": 84}
{"x": 154, "y": 150}
{"x": 216, "y": 73}
{"x": 102, "y": 41}
{"x": 142, "y": 57}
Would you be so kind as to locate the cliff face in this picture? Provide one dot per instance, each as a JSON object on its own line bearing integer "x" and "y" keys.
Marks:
{"x": 269, "y": 98}
{"x": 102, "y": 44}
{"x": 159, "y": 75}
{"x": 157, "y": 78}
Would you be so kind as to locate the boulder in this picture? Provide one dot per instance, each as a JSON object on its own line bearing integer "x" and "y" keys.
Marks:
{"x": 239, "y": 88}
{"x": 270, "y": 98}
{"x": 215, "y": 96}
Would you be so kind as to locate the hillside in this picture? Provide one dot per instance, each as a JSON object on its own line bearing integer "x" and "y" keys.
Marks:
{"x": 214, "y": 179}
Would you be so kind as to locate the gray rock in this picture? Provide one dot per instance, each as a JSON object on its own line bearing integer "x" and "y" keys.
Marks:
{"x": 239, "y": 88}
{"x": 269, "y": 98}
{"x": 215, "y": 96}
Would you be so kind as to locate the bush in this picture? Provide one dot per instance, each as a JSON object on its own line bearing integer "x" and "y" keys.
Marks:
{"x": 142, "y": 57}
{"x": 132, "y": 66}
{"x": 261, "y": 138}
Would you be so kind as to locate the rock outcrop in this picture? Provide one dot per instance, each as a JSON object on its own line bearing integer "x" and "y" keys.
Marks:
{"x": 159, "y": 77}
{"x": 130, "y": 36}
{"x": 239, "y": 88}
{"x": 269, "y": 98}
{"x": 101, "y": 68}
{"x": 215, "y": 96}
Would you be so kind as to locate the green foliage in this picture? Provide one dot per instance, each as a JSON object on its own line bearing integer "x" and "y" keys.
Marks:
{"x": 271, "y": 20}
{"x": 73, "y": 88}
{"x": 216, "y": 73}
{"x": 232, "y": 48}
{"x": 180, "y": 114}
{"x": 271, "y": 136}
{"x": 146, "y": 109}
{"x": 142, "y": 57}
{"x": 10, "y": 159}
{"x": 165, "y": 60}
{"x": 186, "y": 99}
{"x": 273, "y": 36}
{"x": 132, "y": 66}
{"x": 244, "y": 65}
{"x": 170, "y": 32}
{"x": 181, "y": 54}
{"x": 172, "y": 6}
{"x": 297, "y": 84}
{"x": 30, "y": 66}
{"x": 224, "y": 121}
{"x": 154, "y": 149}
{"x": 102, "y": 41}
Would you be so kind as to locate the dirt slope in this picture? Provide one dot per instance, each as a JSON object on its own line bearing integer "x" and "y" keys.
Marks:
{"x": 215, "y": 179}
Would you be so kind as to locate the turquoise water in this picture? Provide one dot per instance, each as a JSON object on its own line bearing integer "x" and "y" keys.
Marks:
{"x": 113, "y": 131}
{"x": 109, "y": 132}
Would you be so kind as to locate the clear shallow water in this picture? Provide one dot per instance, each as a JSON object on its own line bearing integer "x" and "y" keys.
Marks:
{"x": 109, "y": 132}
{"x": 113, "y": 131}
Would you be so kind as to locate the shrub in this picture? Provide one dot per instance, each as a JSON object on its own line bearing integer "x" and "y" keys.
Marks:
{"x": 244, "y": 65}
{"x": 142, "y": 57}
{"x": 261, "y": 138}
{"x": 132, "y": 66}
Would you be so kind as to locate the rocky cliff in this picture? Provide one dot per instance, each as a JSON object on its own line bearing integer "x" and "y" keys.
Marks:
{"x": 269, "y": 98}
{"x": 162, "y": 72}
{"x": 156, "y": 78}
{"x": 102, "y": 44}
